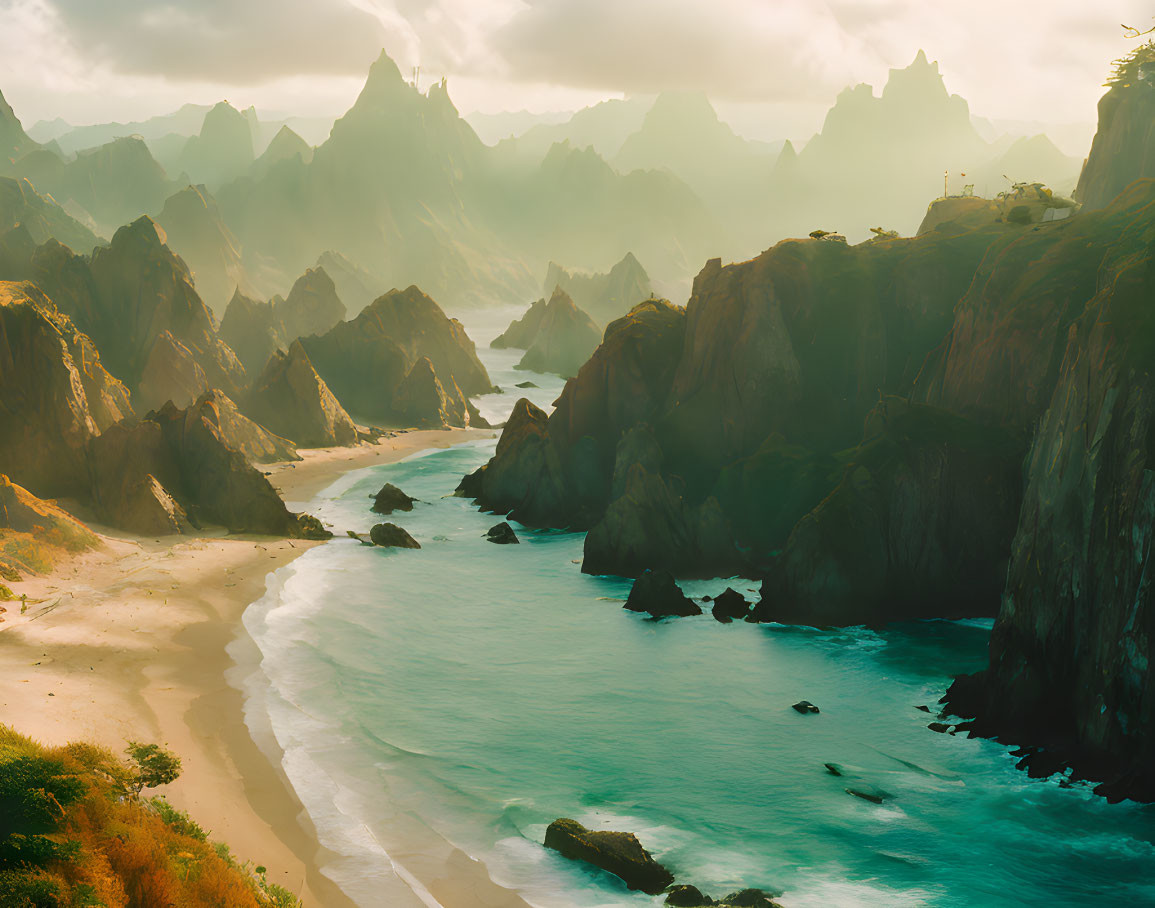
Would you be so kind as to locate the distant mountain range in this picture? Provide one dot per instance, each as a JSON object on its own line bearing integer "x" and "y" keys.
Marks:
{"x": 405, "y": 191}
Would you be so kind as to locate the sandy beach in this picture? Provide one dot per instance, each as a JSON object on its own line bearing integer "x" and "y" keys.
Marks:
{"x": 129, "y": 642}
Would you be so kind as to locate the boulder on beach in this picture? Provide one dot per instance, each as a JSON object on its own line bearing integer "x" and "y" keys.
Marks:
{"x": 657, "y": 593}
{"x": 502, "y": 534}
{"x": 389, "y": 535}
{"x": 619, "y": 853}
{"x": 391, "y": 499}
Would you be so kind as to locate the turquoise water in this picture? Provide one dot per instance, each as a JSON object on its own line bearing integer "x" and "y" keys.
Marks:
{"x": 464, "y": 695}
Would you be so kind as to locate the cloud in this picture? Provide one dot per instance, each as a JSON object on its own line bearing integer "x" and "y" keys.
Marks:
{"x": 236, "y": 42}
{"x": 729, "y": 48}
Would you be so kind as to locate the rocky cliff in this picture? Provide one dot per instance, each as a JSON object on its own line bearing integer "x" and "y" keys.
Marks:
{"x": 254, "y": 331}
{"x": 366, "y": 359}
{"x": 142, "y": 290}
{"x": 1124, "y": 146}
{"x": 195, "y": 231}
{"x": 312, "y": 306}
{"x": 291, "y": 399}
{"x": 176, "y": 468}
{"x": 604, "y": 296}
{"x": 557, "y": 336}
{"x": 1071, "y": 649}
{"x": 57, "y": 394}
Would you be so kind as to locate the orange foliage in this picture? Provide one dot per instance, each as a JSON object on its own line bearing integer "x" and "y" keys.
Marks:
{"x": 129, "y": 857}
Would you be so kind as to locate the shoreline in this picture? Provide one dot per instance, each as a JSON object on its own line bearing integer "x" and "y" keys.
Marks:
{"x": 132, "y": 641}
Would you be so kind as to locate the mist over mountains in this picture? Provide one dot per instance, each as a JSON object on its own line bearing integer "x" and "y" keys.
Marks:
{"x": 404, "y": 190}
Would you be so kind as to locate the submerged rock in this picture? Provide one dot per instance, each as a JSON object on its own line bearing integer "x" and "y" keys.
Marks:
{"x": 619, "y": 853}
{"x": 805, "y": 707}
{"x": 502, "y": 534}
{"x": 391, "y": 499}
{"x": 656, "y": 592}
{"x": 389, "y": 535}
{"x": 525, "y": 384}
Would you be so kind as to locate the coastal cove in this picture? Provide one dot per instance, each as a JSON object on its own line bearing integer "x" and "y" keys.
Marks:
{"x": 438, "y": 708}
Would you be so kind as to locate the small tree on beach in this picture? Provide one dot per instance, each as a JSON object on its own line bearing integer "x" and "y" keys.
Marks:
{"x": 153, "y": 764}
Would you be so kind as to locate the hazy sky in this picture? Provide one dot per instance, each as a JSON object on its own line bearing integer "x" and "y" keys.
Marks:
{"x": 777, "y": 64}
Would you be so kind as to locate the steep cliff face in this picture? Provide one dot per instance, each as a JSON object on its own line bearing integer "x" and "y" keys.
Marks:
{"x": 604, "y": 296}
{"x": 557, "y": 471}
{"x": 770, "y": 370}
{"x": 565, "y": 339}
{"x": 254, "y": 331}
{"x": 801, "y": 340}
{"x": 1071, "y": 650}
{"x": 291, "y": 399}
{"x": 57, "y": 394}
{"x": 919, "y": 526}
{"x": 423, "y": 400}
{"x": 366, "y": 359}
{"x": 556, "y": 335}
{"x": 1000, "y": 361}
{"x": 142, "y": 290}
{"x": 195, "y": 231}
{"x": 312, "y": 306}
{"x": 178, "y": 465}
{"x": 14, "y": 142}
{"x": 1124, "y": 146}
{"x": 254, "y": 441}
{"x": 42, "y": 218}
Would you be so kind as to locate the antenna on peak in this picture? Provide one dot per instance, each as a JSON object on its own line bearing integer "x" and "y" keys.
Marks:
{"x": 416, "y": 83}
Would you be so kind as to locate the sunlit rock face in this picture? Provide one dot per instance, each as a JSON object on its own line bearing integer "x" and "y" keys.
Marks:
{"x": 57, "y": 394}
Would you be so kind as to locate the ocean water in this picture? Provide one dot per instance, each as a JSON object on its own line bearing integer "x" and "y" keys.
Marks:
{"x": 438, "y": 708}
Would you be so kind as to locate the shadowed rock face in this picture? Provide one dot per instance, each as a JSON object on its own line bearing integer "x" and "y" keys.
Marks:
{"x": 1071, "y": 649}
{"x": 194, "y": 231}
{"x": 312, "y": 306}
{"x": 919, "y": 526}
{"x": 254, "y": 330}
{"x": 14, "y": 142}
{"x": 794, "y": 345}
{"x": 57, "y": 395}
{"x": 1124, "y": 146}
{"x": 188, "y": 455}
{"x": 619, "y": 853}
{"x": 365, "y": 360}
{"x": 170, "y": 373}
{"x": 563, "y": 337}
{"x": 291, "y": 399}
{"x": 141, "y": 291}
{"x": 422, "y": 400}
{"x": 604, "y": 296}
{"x": 43, "y": 218}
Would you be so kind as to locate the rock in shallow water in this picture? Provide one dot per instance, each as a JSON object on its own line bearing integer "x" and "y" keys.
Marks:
{"x": 389, "y": 535}
{"x": 731, "y": 606}
{"x": 657, "y": 593}
{"x": 619, "y": 853}
{"x": 687, "y": 897}
{"x": 502, "y": 534}
{"x": 805, "y": 707}
{"x": 391, "y": 499}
